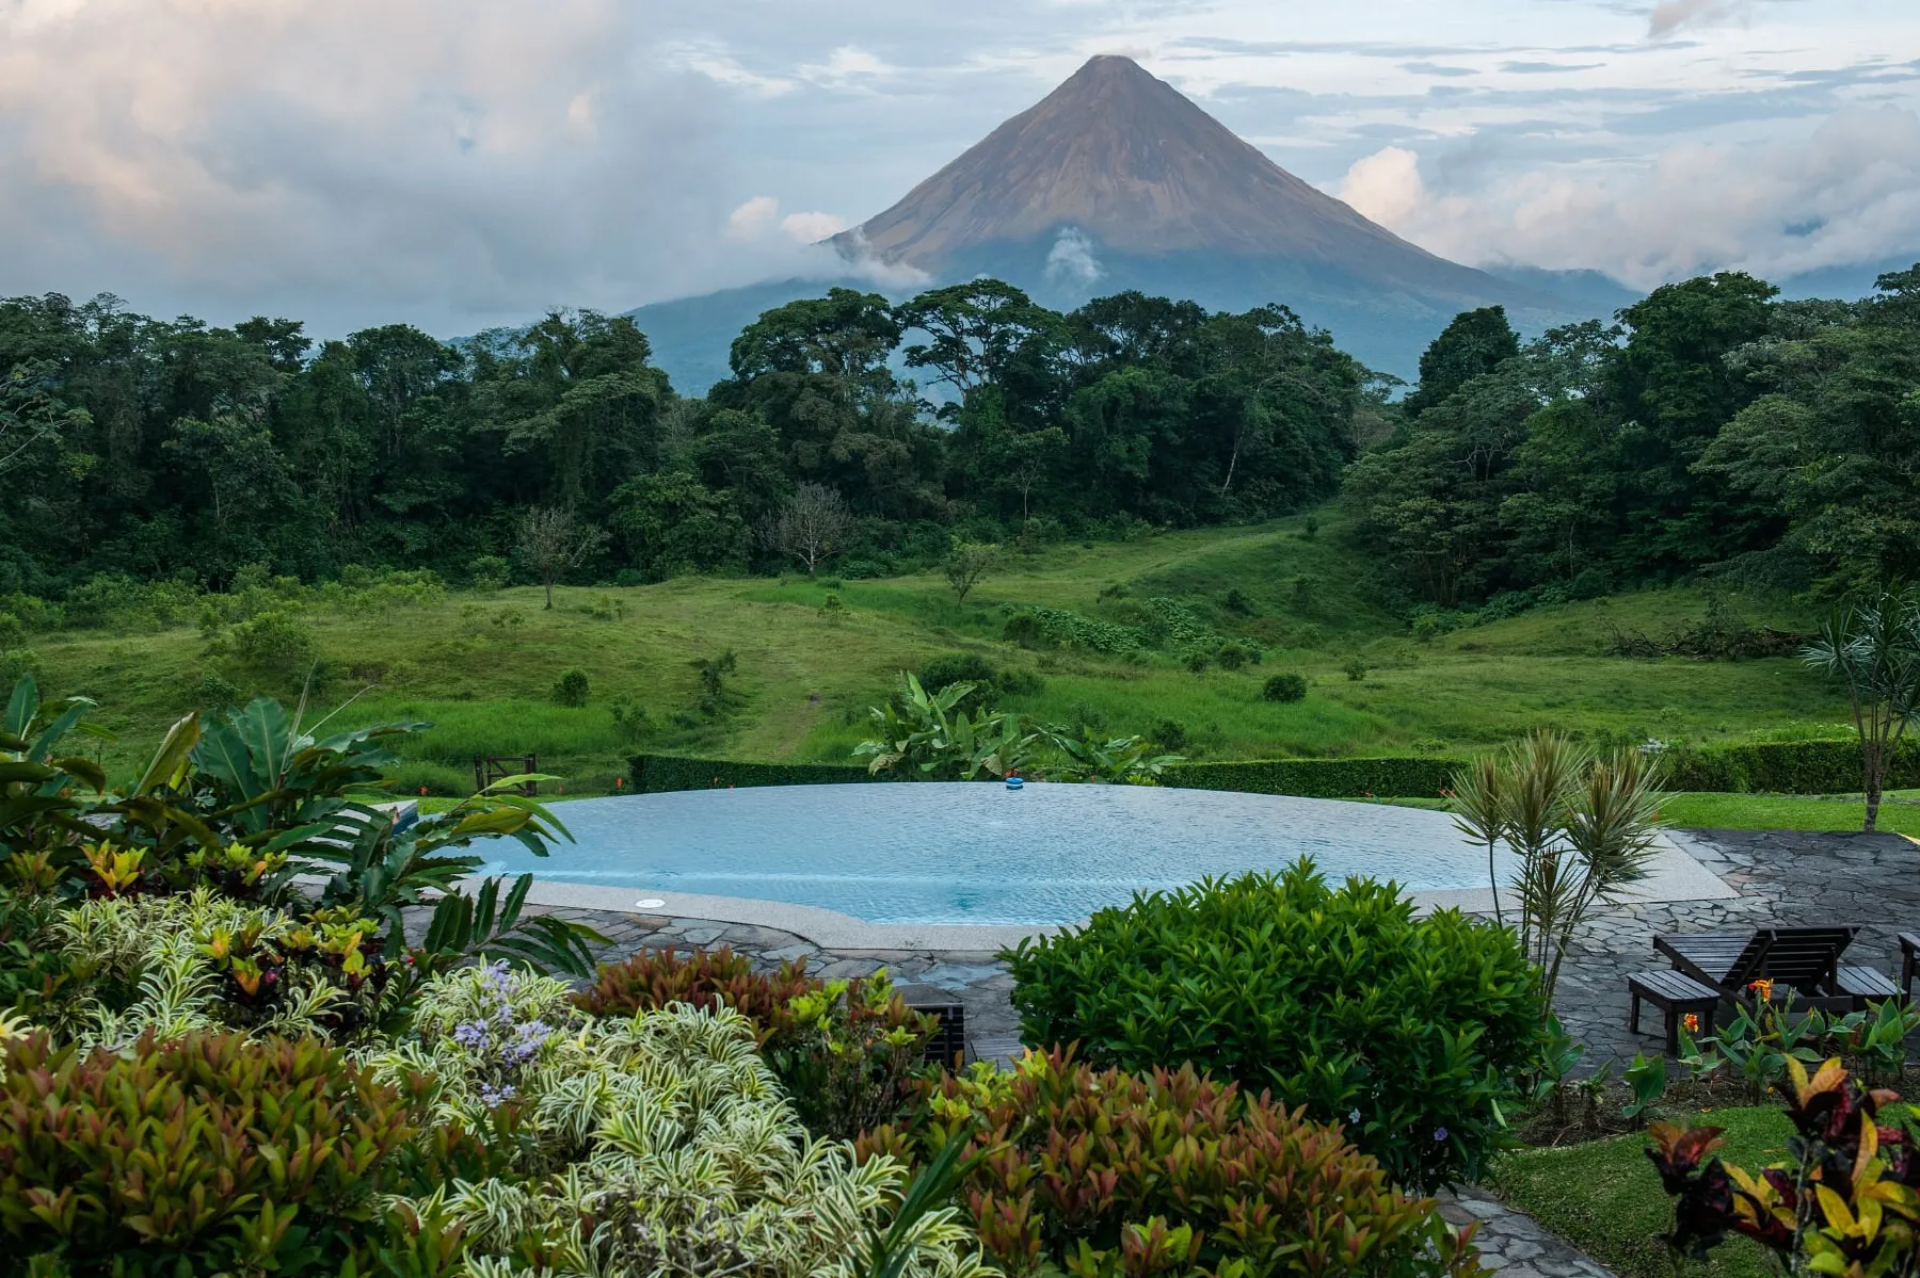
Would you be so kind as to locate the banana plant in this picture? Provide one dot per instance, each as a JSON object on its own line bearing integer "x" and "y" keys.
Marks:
{"x": 50, "y": 803}
{"x": 924, "y": 736}
{"x": 1116, "y": 760}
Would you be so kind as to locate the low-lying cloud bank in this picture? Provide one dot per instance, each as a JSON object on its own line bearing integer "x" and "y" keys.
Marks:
{"x": 1848, "y": 193}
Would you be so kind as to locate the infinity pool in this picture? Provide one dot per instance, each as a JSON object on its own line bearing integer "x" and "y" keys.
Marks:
{"x": 979, "y": 853}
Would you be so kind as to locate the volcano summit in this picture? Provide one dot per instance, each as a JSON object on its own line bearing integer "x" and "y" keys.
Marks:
{"x": 1117, "y": 181}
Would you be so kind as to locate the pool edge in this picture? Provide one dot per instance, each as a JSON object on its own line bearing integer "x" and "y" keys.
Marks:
{"x": 1674, "y": 875}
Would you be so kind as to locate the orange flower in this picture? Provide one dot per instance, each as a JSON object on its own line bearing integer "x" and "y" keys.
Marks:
{"x": 1692, "y": 1021}
{"x": 1763, "y": 987}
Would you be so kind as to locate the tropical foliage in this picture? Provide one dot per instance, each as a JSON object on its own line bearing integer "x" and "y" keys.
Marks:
{"x": 845, "y": 1050}
{"x": 1169, "y": 1173}
{"x": 1872, "y": 646}
{"x": 931, "y": 736}
{"x": 1843, "y": 1202}
{"x": 1414, "y": 1033}
{"x": 1583, "y": 829}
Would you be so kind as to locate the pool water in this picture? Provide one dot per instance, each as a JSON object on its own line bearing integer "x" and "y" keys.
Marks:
{"x": 980, "y": 853}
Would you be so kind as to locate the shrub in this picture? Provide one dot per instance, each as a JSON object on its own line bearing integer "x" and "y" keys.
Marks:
{"x": 273, "y": 641}
{"x": 607, "y": 607}
{"x": 1785, "y": 767}
{"x": 1171, "y": 1173}
{"x": 1238, "y": 602}
{"x": 489, "y": 573}
{"x": 203, "y": 1155}
{"x": 571, "y": 688}
{"x": 845, "y": 1050}
{"x": 214, "y": 691}
{"x": 1170, "y": 735}
{"x": 1412, "y": 1031}
{"x": 13, "y": 631}
{"x": 16, "y": 664}
{"x": 1286, "y": 688}
{"x": 1356, "y": 669}
{"x": 665, "y": 773}
{"x": 631, "y": 721}
{"x": 990, "y": 682}
{"x": 1024, "y": 629}
{"x": 1234, "y": 655}
{"x": 706, "y": 979}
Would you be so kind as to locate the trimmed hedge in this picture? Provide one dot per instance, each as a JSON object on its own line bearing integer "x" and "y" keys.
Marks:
{"x": 1782, "y": 767}
{"x": 660, "y": 773}
{"x": 1786, "y": 767}
{"x": 1311, "y": 778}
{"x": 1322, "y": 778}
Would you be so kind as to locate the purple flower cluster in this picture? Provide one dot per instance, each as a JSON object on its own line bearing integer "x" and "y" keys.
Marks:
{"x": 502, "y": 1044}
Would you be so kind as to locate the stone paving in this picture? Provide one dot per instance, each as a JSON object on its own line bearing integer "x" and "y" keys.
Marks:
{"x": 1513, "y": 1243}
{"x": 1784, "y": 877}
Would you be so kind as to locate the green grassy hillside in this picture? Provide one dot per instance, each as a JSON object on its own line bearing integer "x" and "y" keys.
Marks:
{"x": 481, "y": 667}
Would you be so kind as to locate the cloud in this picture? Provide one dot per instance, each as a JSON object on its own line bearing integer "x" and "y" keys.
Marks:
{"x": 811, "y": 228}
{"x": 1435, "y": 68}
{"x": 1669, "y": 16}
{"x": 453, "y": 162}
{"x": 751, "y": 220}
{"x": 1847, "y": 193}
{"x": 848, "y": 67}
{"x": 1071, "y": 262}
{"x": 1548, "y": 68}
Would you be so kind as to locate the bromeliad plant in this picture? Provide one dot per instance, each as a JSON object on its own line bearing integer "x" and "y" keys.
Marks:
{"x": 1842, "y": 1204}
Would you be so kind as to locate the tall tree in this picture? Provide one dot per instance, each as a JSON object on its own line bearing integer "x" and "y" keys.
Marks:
{"x": 811, "y": 526}
{"x": 1472, "y": 345}
{"x": 552, "y": 541}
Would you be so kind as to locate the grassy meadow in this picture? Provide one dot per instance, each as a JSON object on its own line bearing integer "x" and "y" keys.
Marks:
{"x": 480, "y": 667}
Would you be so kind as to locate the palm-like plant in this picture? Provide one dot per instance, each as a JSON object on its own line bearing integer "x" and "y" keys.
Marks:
{"x": 1873, "y": 648}
{"x": 1583, "y": 828}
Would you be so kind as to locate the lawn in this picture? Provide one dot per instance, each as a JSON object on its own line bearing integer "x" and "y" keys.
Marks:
{"x": 1605, "y": 1197}
{"x": 481, "y": 667}
{"x": 1899, "y": 813}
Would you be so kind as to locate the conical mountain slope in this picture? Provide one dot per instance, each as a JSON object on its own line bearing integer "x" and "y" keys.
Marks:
{"x": 1124, "y": 159}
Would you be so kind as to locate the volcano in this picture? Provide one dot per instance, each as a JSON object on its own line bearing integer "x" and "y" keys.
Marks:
{"x": 1116, "y": 159}
{"x": 1117, "y": 181}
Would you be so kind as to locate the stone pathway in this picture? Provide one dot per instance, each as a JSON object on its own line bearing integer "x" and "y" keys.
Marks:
{"x": 1513, "y": 1243}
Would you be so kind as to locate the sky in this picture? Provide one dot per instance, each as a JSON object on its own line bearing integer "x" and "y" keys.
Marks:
{"x": 462, "y": 163}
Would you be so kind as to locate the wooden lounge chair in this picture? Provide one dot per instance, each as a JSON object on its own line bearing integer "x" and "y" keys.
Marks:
{"x": 1865, "y": 985}
{"x": 1806, "y": 960}
{"x": 1676, "y": 995}
{"x": 1909, "y": 961}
